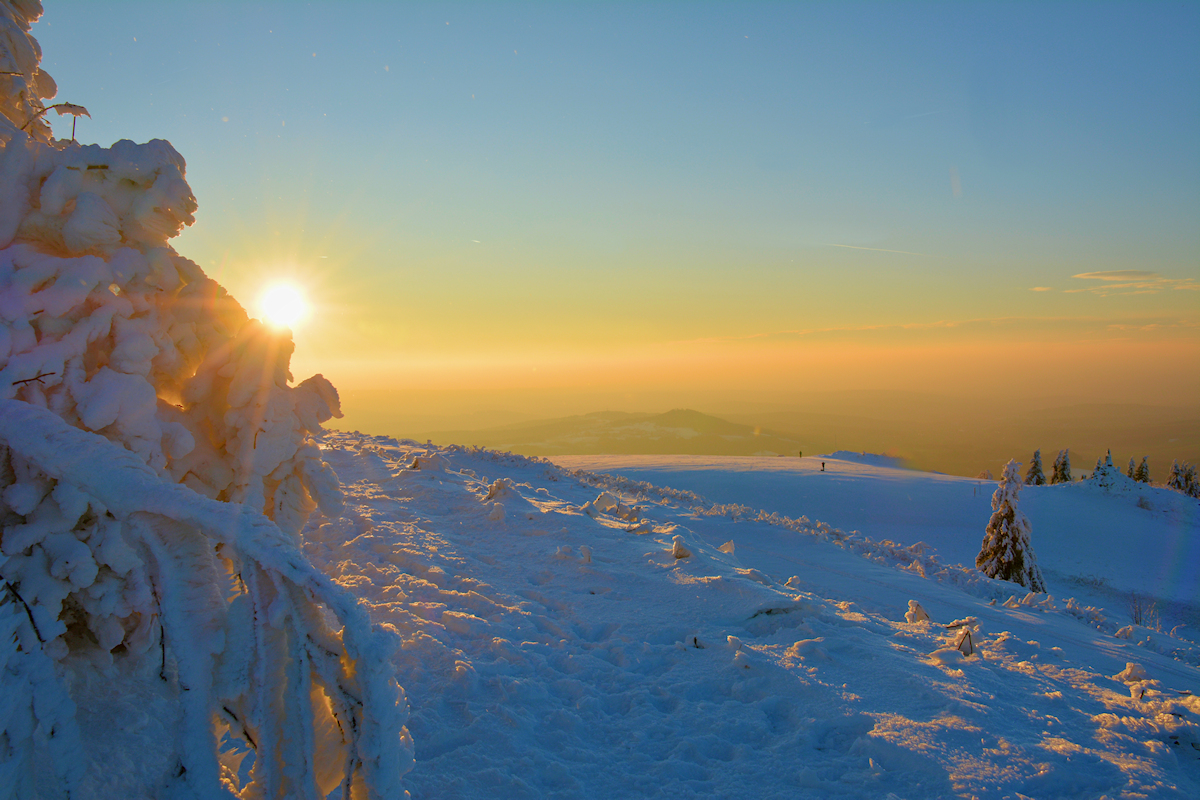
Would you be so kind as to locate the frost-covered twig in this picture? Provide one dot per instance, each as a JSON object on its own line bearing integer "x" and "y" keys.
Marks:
{"x": 62, "y": 108}
{"x": 28, "y": 612}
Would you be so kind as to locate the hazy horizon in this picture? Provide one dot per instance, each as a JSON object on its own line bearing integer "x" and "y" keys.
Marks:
{"x": 929, "y": 433}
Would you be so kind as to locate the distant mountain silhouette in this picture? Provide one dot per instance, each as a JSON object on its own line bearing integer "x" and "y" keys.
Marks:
{"x": 943, "y": 436}
{"x": 679, "y": 431}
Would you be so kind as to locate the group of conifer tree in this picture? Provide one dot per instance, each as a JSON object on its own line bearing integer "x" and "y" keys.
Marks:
{"x": 1183, "y": 476}
{"x": 1183, "y": 479}
{"x": 1006, "y": 552}
{"x": 1062, "y": 469}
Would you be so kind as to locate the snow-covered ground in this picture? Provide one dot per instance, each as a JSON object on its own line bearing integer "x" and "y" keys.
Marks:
{"x": 1095, "y": 544}
{"x": 554, "y": 645}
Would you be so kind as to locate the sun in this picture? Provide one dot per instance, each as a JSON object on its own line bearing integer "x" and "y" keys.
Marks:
{"x": 283, "y": 305}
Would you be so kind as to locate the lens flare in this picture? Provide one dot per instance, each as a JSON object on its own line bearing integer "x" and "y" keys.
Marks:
{"x": 283, "y": 305}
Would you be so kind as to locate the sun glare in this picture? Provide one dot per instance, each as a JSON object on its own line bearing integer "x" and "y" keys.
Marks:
{"x": 283, "y": 305}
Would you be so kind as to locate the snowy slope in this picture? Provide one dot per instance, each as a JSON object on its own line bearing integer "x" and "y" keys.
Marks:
{"x": 554, "y": 646}
{"x": 1094, "y": 544}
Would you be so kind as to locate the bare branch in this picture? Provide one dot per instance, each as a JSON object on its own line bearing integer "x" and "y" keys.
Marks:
{"x": 37, "y": 378}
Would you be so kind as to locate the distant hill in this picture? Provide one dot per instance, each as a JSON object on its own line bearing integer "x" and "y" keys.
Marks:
{"x": 965, "y": 442}
{"x": 677, "y": 432}
{"x": 941, "y": 436}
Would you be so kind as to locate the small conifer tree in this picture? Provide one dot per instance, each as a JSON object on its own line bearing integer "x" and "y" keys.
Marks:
{"x": 1062, "y": 467}
{"x": 1142, "y": 474}
{"x": 1035, "y": 476}
{"x": 1132, "y": 471}
{"x": 1006, "y": 552}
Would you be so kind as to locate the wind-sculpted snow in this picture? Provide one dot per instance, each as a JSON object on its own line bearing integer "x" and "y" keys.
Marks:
{"x": 611, "y": 638}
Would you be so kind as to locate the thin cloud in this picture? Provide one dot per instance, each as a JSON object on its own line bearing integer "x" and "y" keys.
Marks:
{"x": 1155, "y": 326}
{"x": 1117, "y": 275}
{"x": 1132, "y": 281}
{"x": 1041, "y": 288}
{"x": 1076, "y": 323}
{"x": 877, "y": 250}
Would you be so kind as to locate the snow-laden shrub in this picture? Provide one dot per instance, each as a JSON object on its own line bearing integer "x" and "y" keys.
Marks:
{"x": 1108, "y": 476}
{"x": 156, "y": 468}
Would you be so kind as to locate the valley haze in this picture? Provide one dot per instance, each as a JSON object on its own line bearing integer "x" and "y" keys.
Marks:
{"x": 927, "y": 434}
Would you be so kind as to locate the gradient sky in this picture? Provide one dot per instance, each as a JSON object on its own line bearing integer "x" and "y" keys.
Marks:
{"x": 543, "y": 207}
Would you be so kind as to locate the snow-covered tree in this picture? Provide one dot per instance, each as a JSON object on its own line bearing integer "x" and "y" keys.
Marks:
{"x": 1183, "y": 479}
{"x": 1142, "y": 474}
{"x": 1006, "y": 552}
{"x": 1107, "y": 475}
{"x": 1062, "y": 467}
{"x": 1035, "y": 476}
{"x": 23, "y": 83}
{"x": 156, "y": 468}
{"x": 1132, "y": 471}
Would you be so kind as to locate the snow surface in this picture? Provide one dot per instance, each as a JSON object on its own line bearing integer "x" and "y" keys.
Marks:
{"x": 604, "y": 638}
{"x": 1092, "y": 542}
{"x": 871, "y": 459}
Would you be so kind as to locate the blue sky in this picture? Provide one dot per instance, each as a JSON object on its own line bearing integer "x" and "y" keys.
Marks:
{"x": 640, "y": 174}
